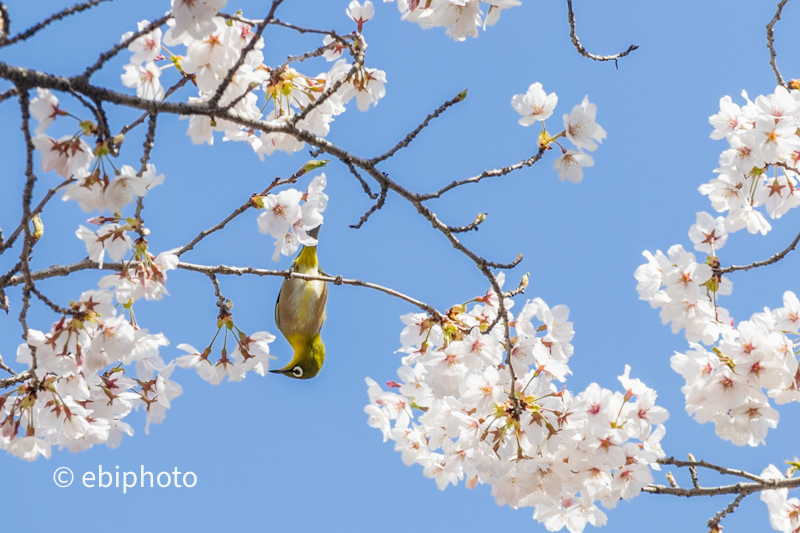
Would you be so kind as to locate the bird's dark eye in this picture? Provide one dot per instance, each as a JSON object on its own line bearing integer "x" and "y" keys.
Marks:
{"x": 297, "y": 371}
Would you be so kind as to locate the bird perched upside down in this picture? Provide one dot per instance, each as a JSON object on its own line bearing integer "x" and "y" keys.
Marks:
{"x": 299, "y": 314}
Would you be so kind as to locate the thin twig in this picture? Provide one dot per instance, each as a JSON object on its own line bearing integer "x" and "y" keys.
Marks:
{"x": 298, "y": 29}
{"x": 375, "y": 207}
{"x": 410, "y": 137}
{"x": 38, "y": 209}
{"x": 8, "y": 94}
{"x": 105, "y": 56}
{"x": 713, "y": 524}
{"x": 358, "y": 63}
{"x": 354, "y": 171}
{"x": 486, "y": 174}
{"x": 5, "y": 367}
{"x": 243, "y": 54}
{"x": 474, "y": 225}
{"x": 149, "y": 143}
{"x": 19, "y": 378}
{"x": 220, "y": 298}
{"x": 277, "y": 182}
{"x": 88, "y": 264}
{"x": 693, "y": 473}
{"x": 77, "y": 8}
{"x": 774, "y": 259}
{"x": 585, "y": 53}
{"x": 55, "y": 307}
{"x": 710, "y": 466}
{"x": 171, "y": 90}
{"x": 523, "y": 284}
{"x": 771, "y": 42}
{"x": 28, "y": 242}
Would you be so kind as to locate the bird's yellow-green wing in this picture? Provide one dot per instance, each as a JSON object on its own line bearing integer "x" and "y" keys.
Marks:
{"x": 277, "y": 314}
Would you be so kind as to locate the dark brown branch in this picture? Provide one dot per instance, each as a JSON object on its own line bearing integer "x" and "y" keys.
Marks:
{"x": 757, "y": 484}
{"x": 5, "y": 367}
{"x": 364, "y": 184}
{"x": 10, "y": 241}
{"x": 149, "y": 143}
{"x": 375, "y": 207}
{"x": 77, "y": 8}
{"x": 243, "y": 54}
{"x": 129, "y": 127}
{"x": 771, "y": 42}
{"x": 19, "y": 378}
{"x": 693, "y": 473}
{"x": 474, "y": 225}
{"x": 713, "y": 524}
{"x": 774, "y": 259}
{"x": 460, "y": 97}
{"x": 739, "y": 488}
{"x": 5, "y": 23}
{"x": 298, "y": 29}
{"x": 709, "y": 466}
{"x": 88, "y": 264}
{"x": 277, "y": 182}
{"x": 319, "y": 51}
{"x": 217, "y": 292}
{"x": 523, "y": 284}
{"x": 49, "y": 303}
{"x": 358, "y": 62}
{"x": 585, "y": 53}
{"x": 504, "y": 266}
{"x": 28, "y": 242}
{"x": 8, "y": 94}
{"x": 486, "y": 174}
{"x": 105, "y": 56}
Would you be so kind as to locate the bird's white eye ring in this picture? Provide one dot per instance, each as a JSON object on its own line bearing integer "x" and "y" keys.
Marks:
{"x": 297, "y": 371}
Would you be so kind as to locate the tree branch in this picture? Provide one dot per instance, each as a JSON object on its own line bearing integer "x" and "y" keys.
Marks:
{"x": 774, "y": 259}
{"x": 710, "y": 466}
{"x": 375, "y": 207}
{"x": 19, "y": 378}
{"x": 105, "y": 56}
{"x": 486, "y": 174}
{"x": 771, "y": 42}
{"x": 460, "y": 97}
{"x": 77, "y": 8}
{"x": 585, "y": 53}
{"x": 88, "y": 264}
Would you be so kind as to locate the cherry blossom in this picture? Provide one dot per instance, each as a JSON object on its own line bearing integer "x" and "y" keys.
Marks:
{"x": 534, "y": 105}
{"x": 581, "y": 127}
{"x": 570, "y": 165}
{"x": 44, "y": 108}
{"x": 360, "y": 14}
{"x": 145, "y": 48}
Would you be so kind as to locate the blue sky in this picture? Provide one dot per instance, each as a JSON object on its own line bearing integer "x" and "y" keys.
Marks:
{"x": 283, "y": 455}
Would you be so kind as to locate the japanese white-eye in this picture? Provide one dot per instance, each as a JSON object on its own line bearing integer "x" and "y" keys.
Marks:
{"x": 300, "y": 313}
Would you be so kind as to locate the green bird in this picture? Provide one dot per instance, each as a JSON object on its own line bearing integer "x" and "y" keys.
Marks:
{"x": 299, "y": 314}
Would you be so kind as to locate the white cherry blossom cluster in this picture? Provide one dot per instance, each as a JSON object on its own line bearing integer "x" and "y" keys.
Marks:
{"x": 748, "y": 363}
{"x": 288, "y": 221}
{"x": 73, "y": 159}
{"x": 752, "y": 361}
{"x": 580, "y": 128}
{"x": 214, "y": 46}
{"x": 84, "y": 383}
{"x": 725, "y": 385}
{"x": 460, "y": 18}
{"x": 250, "y": 354}
{"x": 760, "y": 167}
{"x": 460, "y": 413}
